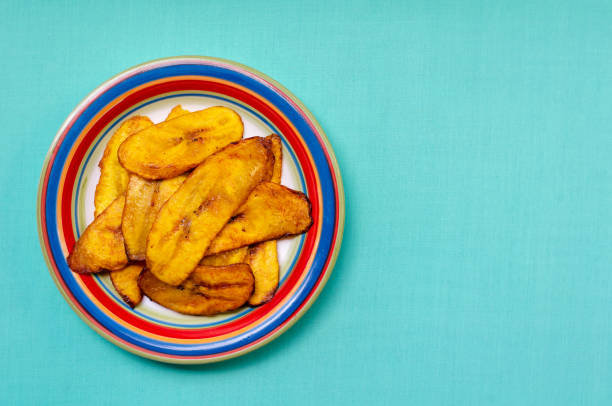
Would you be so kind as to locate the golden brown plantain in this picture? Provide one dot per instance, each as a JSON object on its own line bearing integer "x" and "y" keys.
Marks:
{"x": 125, "y": 282}
{"x": 177, "y": 111}
{"x": 231, "y": 282}
{"x": 237, "y": 256}
{"x": 143, "y": 199}
{"x": 113, "y": 177}
{"x": 167, "y": 187}
{"x": 263, "y": 260}
{"x": 101, "y": 245}
{"x": 190, "y": 219}
{"x": 210, "y": 290}
{"x": 138, "y": 215}
{"x": 263, "y": 257}
{"x": 277, "y": 150}
{"x": 172, "y": 147}
{"x": 271, "y": 212}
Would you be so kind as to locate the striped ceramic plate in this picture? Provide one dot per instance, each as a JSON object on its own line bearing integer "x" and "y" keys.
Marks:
{"x": 70, "y": 174}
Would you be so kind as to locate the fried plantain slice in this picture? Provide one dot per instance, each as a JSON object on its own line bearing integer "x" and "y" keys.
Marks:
{"x": 210, "y": 290}
{"x": 113, "y": 177}
{"x": 263, "y": 257}
{"x": 167, "y": 187}
{"x": 143, "y": 199}
{"x": 237, "y": 256}
{"x": 232, "y": 282}
{"x": 172, "y": 147}
{"x": 263, "y": 260}
{"x": 271, "y": 212}
{"x": 125, "y": 282}
{"x": 177, "y": 111}
{"x": 101, "y": 244}
{"x": 277, "y": 150}
{"x": 138, "y": 215}
{"x": 194, "y": 214}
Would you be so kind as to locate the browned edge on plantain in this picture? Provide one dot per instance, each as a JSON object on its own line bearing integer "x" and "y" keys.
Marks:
{"x": 209, "y": 290}
{"x": 125, "y": 282}
{"x": 101, "y": 246}
{"x": 271, "y": 212}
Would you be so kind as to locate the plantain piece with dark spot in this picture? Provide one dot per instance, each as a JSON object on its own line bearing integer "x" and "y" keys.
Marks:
{"x": 101, "y": 245}
{"x": 198, "y": 210}
{"x": 175, "y": 146}
{"x": 208, "y": 291}
{"x": 138, "y": 215}
{"x": 271, "y": 212}
{"x": 143, "y": 200}
{"x": 113, "y": 177}
{"x": 125, "y": 282}
{"x": 277, "y": 150}
{"x": 263, "y": 260}
{"x": 231, "y": 282}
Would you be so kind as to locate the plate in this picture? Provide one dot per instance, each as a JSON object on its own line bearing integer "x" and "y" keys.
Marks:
{"x": 70, "y": 174}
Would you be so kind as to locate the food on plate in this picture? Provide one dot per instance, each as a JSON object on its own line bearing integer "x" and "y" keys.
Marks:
{"x": 209, "y": 290}
{"x": 113, "y": 177}
{"x": 143, "y": 199}
{"x": 231, "y": 282}
{"x": 236, "y": 256}
{"x": 277, "y": 150}
{"x": 198, "y": 241}
{"x": 177, "y": 111}
{"x": 187, "y": 223}
{"x": 101, "y": 244}
{"x": 138, "y": 215}
{"x": 263, "y": 257}
{"x": 125, "y": 282}
{"x": 271, "y": 212}
{"x": 167, "y": 187}
{"x": 175, "y": 146}
{"x": 263, "y": 260}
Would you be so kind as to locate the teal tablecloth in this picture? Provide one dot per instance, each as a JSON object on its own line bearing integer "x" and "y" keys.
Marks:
{"x": 475, "y": 143}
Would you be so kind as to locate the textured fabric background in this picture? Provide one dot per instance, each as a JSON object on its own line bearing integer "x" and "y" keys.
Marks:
{"x": 475, "y": 143}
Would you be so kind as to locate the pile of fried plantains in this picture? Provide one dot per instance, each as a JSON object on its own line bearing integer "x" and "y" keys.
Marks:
{"x": 187, "y": 212}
